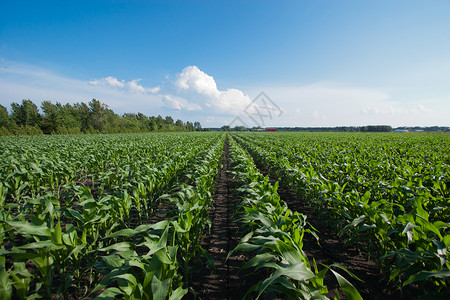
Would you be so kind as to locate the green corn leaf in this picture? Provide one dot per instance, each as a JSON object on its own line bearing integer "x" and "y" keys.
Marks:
{"x": 5, "y": 283}
{"x": 163, "y": 257}
{"x": 297, "y": 272}
{"x": 246, "y": 247}
{"x": 345, "y": 270}
{"x": 108, "y": 278}
{"x": 258, "y": 260}
{"x": 210, "y": 261}
{"x": 57, "y": 234}
{"x": 365, "y": 227}
{"x": 163, "y": 240}
{"x": 447, "y": 240}
{"x": 109, "y": 294}
{"x": 160, "y": 288}
{"x": 128, "y": 232}
{"x": 47, "y": 244}
{"x": 21, "y": 283}
{"x": 128, "y": 284}
{"x": 423, "y": 275}
{"x": 350, "y": 291}
{"x": 113, "y": 261}
{"x": 289, "y": 253}
{"x": 137, "y": 263}
{"x": 44, "y": 264}
{"x": 18, "y": 254}
{"x": 122, "y": 246}
{"x": 356, "y": 221}
{"x": 26, "y": 228}
{"x": 439, "y": 225}
{"x": 178, "y": 293}
{"x": 429, "y": 226}
{"x": 75, "y": 215}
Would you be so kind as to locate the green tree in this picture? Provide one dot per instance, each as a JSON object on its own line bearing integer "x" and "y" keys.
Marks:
{"x": 179, "y": 124}
{"x": 113, "y": 122}
{"x": 168, "y": 120}
{"x": 189, "y": 126}
{"x": 131, "y": 122}
{"x": 96, "y": 109}
{"x": 70, "y": 119}
{"x": 5, "y": 118}
{"x": 5, "y": 122}
{"x": 51, "y": 118}
{"x": 160, "y": 122}
{"x": 197, "y": 126}
{"x": 153, "y": 125}
{"x": 25, "y": 114}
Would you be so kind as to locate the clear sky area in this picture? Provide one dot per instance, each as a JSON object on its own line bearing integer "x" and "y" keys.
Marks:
{"x": 319, "y": 63}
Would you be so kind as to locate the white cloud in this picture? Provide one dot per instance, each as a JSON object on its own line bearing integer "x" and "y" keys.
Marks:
{"x": 135, "y": 87}
{"x": 200, "y": 89}
{"x": 192, "y": 79}
{"x": 180, "y": 103}
{"x": 132, "y": 85}
{"x": 108, "y": 81}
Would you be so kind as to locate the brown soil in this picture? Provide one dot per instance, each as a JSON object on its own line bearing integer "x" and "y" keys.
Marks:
{"x": 228, "y": 281}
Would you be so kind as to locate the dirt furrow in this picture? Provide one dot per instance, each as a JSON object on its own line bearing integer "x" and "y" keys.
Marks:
{"x": 227, "y": 281}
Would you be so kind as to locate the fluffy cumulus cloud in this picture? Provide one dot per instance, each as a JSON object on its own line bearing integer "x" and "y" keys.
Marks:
{"x": 194, "y": 80}
{"x": 193, "y": 89}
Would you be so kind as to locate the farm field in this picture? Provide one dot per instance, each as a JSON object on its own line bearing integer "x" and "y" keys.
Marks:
{"x": 214, "y": 215}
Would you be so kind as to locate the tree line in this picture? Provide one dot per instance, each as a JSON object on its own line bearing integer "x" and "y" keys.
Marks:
{"x": 94, "y": 117}
{"x": 368, "y": 128}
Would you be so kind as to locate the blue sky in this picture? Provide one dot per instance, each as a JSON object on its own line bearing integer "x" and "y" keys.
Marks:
{"x": 323, "y": 63}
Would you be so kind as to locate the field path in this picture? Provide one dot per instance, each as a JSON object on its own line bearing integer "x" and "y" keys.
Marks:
{"x": 227, "y": 282}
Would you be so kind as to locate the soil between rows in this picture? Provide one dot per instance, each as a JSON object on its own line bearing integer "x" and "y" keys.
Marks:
{"x": 228, "y": 281}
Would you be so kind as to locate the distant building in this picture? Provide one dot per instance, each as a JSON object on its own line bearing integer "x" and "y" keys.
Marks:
{"x": 401, "y": 130}
{"x": 271, "y": 129}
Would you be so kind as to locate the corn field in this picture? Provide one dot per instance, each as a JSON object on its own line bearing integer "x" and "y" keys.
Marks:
{"x": 126, "y": 216}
